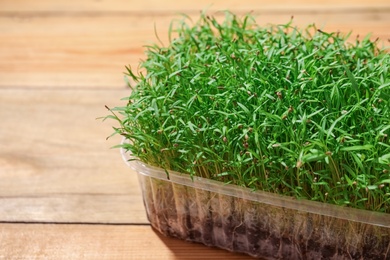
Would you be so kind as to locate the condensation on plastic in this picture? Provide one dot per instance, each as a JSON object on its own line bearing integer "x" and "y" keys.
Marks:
{"x": 258, "y": 223}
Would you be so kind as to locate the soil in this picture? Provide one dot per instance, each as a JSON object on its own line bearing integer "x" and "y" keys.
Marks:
{"x": 263, "y": 231}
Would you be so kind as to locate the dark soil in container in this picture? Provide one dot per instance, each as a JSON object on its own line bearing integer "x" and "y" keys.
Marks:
{"x": 260, "y": 230}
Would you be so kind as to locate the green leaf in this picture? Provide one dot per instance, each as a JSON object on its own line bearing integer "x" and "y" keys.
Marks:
{"x": 313, "y": 157}
{"x": 384, "y": 159}
{"x": 191, "y": 126}
{"x": 155, "y": 108}
{"x": 352, "y": 79}
{"x": 246, "y": 110}
{"x": 357, "y": 148}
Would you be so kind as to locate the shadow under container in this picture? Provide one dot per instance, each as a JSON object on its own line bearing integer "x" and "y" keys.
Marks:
{"x": 261, "y": 224}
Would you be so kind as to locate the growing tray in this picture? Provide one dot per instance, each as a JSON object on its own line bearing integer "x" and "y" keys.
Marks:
{"x": 258, "y": 223}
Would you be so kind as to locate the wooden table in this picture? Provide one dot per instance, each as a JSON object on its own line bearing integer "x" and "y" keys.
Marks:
{"x": 64, "y": 194}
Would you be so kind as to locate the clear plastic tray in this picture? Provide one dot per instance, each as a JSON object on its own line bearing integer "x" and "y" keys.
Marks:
{"x": 258, "y": 223}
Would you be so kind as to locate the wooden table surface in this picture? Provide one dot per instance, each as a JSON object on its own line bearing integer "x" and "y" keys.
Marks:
{"x": 64, "y": 194}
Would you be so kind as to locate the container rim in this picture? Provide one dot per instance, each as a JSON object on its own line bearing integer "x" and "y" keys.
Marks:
{"x": 303, "y": 205}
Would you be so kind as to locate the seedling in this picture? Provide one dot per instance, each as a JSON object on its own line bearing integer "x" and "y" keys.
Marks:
{"x": 298, "y": 112}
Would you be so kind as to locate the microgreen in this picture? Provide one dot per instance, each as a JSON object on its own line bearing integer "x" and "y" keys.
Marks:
{"x": 303, "y": 113}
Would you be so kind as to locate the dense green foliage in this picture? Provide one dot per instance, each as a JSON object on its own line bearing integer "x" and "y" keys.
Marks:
{"x": 303, "y": 113}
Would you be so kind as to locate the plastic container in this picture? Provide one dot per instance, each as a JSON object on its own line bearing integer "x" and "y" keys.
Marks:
{"x": 260, "y": 224}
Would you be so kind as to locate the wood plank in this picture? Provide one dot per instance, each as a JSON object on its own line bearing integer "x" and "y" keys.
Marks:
{"x": 90, "y": 51}
{"x": 152, "y": 6}
{"x": 74, "y": 208}
{"x": 21, "y": 241}
{"x": 55, "y": 164}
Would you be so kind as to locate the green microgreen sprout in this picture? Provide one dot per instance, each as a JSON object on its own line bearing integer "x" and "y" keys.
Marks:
{"x": 303, "y": 113}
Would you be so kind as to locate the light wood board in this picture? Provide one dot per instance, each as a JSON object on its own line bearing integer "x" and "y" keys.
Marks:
{"x": 81, "y": 50}
{"x": 37, "y": 241}
{"x": 64, "y": 194}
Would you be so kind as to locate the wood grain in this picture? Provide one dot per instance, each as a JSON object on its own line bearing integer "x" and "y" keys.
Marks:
{"x": 34, "y": 241}
{"x": 60, "y": 63}
{"x": 91, "y": 51}
{"x": 151, "y": 6}
{"x": 55, "y": 162}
